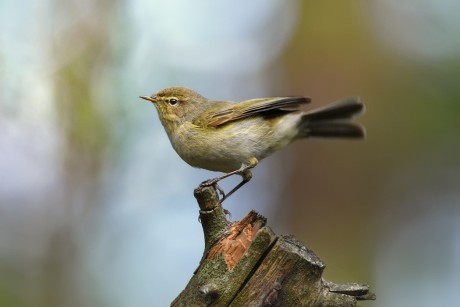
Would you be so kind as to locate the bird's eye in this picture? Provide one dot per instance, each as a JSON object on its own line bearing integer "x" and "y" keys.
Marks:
{"x": 173, "y": 101}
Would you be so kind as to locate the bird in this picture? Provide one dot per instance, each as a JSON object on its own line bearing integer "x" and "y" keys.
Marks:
{"x": 232, "y": 137}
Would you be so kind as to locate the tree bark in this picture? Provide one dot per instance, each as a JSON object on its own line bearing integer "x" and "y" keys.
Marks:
{"x": 245, "y": 264}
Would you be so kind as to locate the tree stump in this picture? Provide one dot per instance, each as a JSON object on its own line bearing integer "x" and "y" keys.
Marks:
{"x": 245, "y": 264}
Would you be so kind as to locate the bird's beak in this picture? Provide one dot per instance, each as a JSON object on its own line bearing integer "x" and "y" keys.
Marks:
{"x": 149, "y": 98}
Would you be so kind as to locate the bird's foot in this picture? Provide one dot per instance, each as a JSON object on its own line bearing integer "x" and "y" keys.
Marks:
{"x": 213, "y": 183}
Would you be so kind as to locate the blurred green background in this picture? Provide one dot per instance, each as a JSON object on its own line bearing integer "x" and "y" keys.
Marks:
{"x": 96, "y": 209}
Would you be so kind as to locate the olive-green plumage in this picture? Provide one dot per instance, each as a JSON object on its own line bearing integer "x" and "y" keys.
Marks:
{"x": 232, "y": 137}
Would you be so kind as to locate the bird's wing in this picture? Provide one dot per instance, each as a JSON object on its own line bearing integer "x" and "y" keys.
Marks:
{"x": 252, "y": 107}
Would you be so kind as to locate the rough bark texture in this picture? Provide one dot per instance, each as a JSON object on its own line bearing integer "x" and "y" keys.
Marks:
{"x": 246, "y": 264}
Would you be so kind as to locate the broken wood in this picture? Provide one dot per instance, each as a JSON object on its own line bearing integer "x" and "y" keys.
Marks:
{"x": 245, "y": 264}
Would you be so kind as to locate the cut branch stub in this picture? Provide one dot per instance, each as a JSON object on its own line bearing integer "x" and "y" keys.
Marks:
{"x": 246, "y": 264}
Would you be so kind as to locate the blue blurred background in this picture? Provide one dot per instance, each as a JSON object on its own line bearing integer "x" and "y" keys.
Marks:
{"x": 96, "y": 209}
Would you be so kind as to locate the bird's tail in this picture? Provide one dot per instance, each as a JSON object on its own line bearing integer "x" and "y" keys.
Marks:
{"x": 334, "y": 120}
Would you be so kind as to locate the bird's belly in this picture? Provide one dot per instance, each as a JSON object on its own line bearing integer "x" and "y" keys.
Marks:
{"x": 225, "y": 155}
{"x": 226, "y": 148}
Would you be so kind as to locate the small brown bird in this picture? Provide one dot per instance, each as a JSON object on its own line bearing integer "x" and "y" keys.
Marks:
{"x": 232, "y": 138}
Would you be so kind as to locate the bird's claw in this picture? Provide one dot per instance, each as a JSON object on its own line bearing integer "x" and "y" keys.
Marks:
{"x": 228, "y": 213}
{"x": 213, "y": 183}
{"x": 207, "y": 183}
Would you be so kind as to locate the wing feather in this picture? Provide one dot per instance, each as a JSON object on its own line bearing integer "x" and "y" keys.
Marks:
{"x": 255, "y": 107}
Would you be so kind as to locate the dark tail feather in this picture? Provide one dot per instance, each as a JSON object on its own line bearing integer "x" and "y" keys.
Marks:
{"x": 334, "y": 120}
{"x": 342, "y": 109}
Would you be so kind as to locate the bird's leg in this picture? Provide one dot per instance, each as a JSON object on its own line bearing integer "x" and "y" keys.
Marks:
{"x": 243, "y": 171}
{"x": 247, "y": 175}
